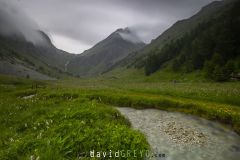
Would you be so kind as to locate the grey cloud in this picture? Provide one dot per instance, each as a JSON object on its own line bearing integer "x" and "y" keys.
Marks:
{"x": 13, "y": 21}
{"x": 89, "y": 21}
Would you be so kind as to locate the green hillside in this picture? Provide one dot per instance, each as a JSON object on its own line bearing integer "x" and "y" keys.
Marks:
{"x": 212, "y": 45}
{"x": 23, "y": 58}
{"x": 207, "y": 42}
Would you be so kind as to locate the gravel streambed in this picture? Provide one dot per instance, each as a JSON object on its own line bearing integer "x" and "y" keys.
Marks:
{"x": 184, "y": 137}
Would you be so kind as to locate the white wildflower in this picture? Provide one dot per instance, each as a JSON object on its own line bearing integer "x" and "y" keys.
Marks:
{"x": 32, "y": 157}
{"x": 39, "y": 136}
{"x": 83, "y": 122}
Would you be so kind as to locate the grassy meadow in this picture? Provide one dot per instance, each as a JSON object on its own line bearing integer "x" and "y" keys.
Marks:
{"x": 65, "y": 119}
{"x": 59, "y": 123}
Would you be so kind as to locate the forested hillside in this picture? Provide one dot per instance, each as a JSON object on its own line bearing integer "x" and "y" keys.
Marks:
{"x": 212, "y": 46}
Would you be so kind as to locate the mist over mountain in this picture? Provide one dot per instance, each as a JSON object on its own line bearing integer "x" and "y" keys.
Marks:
{"x": 23, "y": 42}
{"x": 184, "y": 47}
{"x": 14, "y": 22}
{"x": 129, "y": 35}
{"x": 25, "y": 50}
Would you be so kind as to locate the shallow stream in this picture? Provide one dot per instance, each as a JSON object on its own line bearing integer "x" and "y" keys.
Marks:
{"x": 184, "y": 137}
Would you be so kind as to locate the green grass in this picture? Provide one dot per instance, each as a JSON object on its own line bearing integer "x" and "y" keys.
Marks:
{"x": 72, "y": 116}
{"x": 60, "y": 124}
{"x": 215, "y": 101}
{"x": 224, "y": 113}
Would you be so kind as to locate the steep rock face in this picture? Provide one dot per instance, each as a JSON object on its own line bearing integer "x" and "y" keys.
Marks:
{"x": 106, "y": 53}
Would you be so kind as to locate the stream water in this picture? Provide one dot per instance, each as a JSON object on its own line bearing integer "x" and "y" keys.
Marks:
{"x": 184, "y": 137}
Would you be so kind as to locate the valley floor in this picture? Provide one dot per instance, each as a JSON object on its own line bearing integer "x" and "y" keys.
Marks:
{"x": 67, "y": 119}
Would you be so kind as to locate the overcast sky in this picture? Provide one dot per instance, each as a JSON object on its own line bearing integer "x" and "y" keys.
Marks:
{"x": 76, "y": 25}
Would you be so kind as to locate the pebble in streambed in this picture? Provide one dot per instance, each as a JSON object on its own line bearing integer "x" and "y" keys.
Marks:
{"x": 183, "y": 137}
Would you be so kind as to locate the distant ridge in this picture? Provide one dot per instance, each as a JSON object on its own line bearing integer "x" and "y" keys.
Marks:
{"x": 105, "y": 54}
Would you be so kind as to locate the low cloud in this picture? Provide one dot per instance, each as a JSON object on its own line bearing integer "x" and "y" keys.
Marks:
{"x": 86, "y": 22}
{"x": 13, "y": 21}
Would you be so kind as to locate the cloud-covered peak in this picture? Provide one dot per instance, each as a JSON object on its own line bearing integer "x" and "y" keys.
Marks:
{"x": 14, "y": 22}
{"x": 129, "y": 35}
{"x": 83, "y": 23}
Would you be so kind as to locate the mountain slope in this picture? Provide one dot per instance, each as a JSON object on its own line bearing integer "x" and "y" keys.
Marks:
{"x": 26, "y": 51}
{"x": 213, "y": 45}
{"x": 207, "y": 41}
{"x": 105, "y": 54}
{"x": 176, "y": 31}
{"x": 18, "y": 57}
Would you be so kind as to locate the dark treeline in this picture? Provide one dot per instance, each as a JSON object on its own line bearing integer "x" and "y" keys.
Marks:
{"x": 213, "y": 46}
